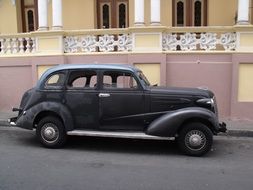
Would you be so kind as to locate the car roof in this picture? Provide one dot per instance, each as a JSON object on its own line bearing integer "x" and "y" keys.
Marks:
{"x": 63, "y": 67}
{"x": 93, "y": 66}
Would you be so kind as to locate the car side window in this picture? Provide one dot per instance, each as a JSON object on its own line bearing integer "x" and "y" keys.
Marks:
{"x": 55, "y": 81}
{"x": 119, "y": 80}
{"x": 82, "y": 79}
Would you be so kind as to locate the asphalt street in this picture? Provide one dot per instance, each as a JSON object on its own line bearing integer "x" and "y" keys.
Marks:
{"x": 99, "y": 163}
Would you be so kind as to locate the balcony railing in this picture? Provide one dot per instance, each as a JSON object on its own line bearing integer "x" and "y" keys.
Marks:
{"x": 17, "y": 44}
{"x": 100, "y": 41}
{"x": 199, "y": 39}
{"x": 171, "y": 39}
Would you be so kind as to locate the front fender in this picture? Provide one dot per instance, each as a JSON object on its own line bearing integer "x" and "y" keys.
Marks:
{"x": 27, "y": 118}
{"x": 168, "y": 124}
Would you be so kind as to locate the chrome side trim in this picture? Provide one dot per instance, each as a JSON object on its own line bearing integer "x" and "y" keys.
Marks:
{"x": 128, "y": 135}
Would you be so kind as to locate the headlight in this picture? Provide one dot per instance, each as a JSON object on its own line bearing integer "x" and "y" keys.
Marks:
{"x": 209, "y": 103}
{"x": 206, "y": 101}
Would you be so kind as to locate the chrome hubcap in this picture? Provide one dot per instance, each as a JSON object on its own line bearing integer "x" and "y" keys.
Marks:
{"x": 195, "y": 140}
{"x": 49, "y": 132}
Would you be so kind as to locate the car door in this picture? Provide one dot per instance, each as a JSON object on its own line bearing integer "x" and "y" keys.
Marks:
{"x": 82, "y": 98}
{"x": 121, "y": 101}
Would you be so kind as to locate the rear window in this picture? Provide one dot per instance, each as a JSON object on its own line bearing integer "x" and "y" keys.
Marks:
{"x": 55, "y": 81}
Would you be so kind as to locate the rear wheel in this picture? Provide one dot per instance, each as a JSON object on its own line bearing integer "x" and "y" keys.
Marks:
{"x": 51, "y": 132}
{"x": 195, "y": 139}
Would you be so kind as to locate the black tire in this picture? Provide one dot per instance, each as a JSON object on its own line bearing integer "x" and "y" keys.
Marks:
{"x": 195, "y": 139}
{"x": 51, "y": 132}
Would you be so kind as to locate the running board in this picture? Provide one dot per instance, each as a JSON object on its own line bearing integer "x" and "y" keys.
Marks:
{"x": 112, "y": 134}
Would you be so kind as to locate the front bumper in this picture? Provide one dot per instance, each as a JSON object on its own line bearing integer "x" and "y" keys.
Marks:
{"x": 23, "y": 120}
{"x": 222, "y": 127}
{"x": 12, "y": 121}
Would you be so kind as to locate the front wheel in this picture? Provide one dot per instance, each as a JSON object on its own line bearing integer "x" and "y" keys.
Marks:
{"x": 51, "y": 132}
{"x": 195, "y": 139}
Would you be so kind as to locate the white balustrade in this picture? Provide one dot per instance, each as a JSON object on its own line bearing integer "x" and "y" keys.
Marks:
{"x": 17, "y": 45}
{"x": 123, "y": 42}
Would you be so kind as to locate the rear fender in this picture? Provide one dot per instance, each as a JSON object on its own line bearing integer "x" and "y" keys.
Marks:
{"x": 28, "y": 117}
{"x": 168, "y": 124}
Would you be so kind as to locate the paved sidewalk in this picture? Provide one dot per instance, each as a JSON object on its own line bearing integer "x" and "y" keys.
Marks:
{"x": 236, "y": 127}
{"x": 239, "y": 127}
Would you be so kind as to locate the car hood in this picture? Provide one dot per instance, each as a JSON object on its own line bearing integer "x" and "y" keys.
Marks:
{"x": 182, "y": 91}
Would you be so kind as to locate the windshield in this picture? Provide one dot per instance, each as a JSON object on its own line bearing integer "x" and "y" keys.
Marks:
{"x": 143, "y": 78}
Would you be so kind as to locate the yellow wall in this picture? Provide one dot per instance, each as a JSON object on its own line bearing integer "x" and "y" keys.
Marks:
{"x": 78, "y": 14}
{"x": 151, "y": 71}
{"x": 166, "y": 12}
{"x": 19, "y": 16}
{"x": 251, "y": 11}
{"x": 42, "y": 68}
{"x": 147, "y": 40}
{"x": 245, "y": 89}
{"x": 246, "y": 39}
{"x": 221, "y": 12}
{"x": 131, "y": 13}
{"x": 147, "y": 12}
{"x": 50, "y": 16}
{"x": 8, "y": 16}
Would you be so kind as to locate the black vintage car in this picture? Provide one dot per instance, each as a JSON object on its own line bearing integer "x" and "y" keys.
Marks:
{"x": 117, "y": 101}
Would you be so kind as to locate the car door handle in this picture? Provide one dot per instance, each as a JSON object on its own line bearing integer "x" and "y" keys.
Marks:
{"x": 103, "y": 95}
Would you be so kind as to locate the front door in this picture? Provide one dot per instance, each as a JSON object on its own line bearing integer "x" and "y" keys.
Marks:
{"x": 82, "y": 98}
{"x": 121, "y": 102}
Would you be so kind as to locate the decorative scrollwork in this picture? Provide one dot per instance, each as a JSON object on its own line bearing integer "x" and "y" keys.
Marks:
{"x": 106, "y": 43}
{"x": 71, "y": 44}
{"x": 169, "y": 42}
{"x": 188, "y": 42}
{"x": 205, "y": 41}
{"x": 88, "y": 44}
{"x": 228, "y": 40}
{"x": 124, "y": 43}
{"x": 208, "y": 41}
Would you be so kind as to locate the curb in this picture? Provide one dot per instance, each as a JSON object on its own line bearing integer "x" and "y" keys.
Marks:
{"x": 238, "y": 133}
{"x": 4, "y": 123}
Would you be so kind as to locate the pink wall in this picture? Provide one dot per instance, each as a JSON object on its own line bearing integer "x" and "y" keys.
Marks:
{"x": 14, "y": 81}
{"x": 213, "y": 72}
{"x": 218, "y": 72}
{"x": 18, "y": 75}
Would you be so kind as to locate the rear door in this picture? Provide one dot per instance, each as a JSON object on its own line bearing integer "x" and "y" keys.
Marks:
{"x": 121, "y": 101}
{"x": 82, "y": 98}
